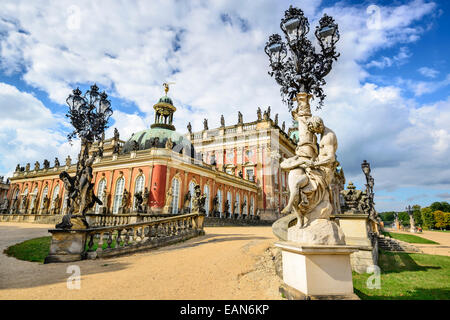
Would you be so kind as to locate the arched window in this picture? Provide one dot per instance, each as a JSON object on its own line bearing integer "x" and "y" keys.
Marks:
{"x": 118, "y": 195}
{"x": 55, "y": 194}
{"x": 238, "y": 202}
{"x": 229, "y": 202}
{"x": 64, "y": 203}
{"x": 206, "y": 193}
{"x": 138, "y": 187}
{"x": 100, "y": 190}
{"x": 191, "y": 190}
{"x": 24, "y": 195}
{"x": 44, "y": 194}
{"x": 219, "y": 201}
{"x": 252, "y": 206}
{"x": 175, "y": 195}
{"x": 246, "y": 205}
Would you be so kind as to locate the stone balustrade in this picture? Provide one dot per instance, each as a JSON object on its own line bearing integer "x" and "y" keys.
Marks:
{"x": 108, "y": 241}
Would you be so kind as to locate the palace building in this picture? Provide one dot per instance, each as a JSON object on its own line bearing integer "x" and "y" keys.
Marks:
{"x": 236, "y": 167}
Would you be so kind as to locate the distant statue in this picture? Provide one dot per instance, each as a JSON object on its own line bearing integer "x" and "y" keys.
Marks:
{"x": 169, "y": 144}
{"x": 145, "y": 197}
{"x": 36, "y": 166}
{"x": 240, "y": 174}
{"x": 138, "y": 201}
{"x": 258, "y": 114}
{"x": 215, "y": 205}
{"x": 57, "y": 162}
{"x": 168, "y": 203}
{"x": 24, "y": 203}
{"x": 124, "y": 200}
{"x": 18, "y": 167}
{"x": 45, "y": 203}
{"x": 68, "y": 161}
{"x": 100, "y": 152}
{"x": 187, "y": 201}
{"x": 266, "y": 116}
{"x": 213, "y": 159}
{"x": 205, "y": 124}
{"x": 116, "y": 135}
{"x": 116, "y": 149}
{"x": 276, "y": 119}
{"x": 283, "y": 126}
{"x": 240, "y": 118}
{"x": 227, "y": 207}
{"x": 46, "y": 164}
{"x": 135, "y": 146}
{"x": 352, "y": 198}
{"x": 198, "y": 200}
{"x": 189, "y": 127}
{"x": 27, "y": 167}
{"x": 268, "y": 111}
{"x": 56, "y": 205}
{"x": 222, "y": 121}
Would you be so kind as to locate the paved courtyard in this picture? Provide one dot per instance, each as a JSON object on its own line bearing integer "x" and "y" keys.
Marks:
{"x": 226, "y": 263}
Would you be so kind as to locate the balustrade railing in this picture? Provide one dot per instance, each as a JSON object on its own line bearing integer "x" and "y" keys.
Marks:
{"x": 112, "y": 240}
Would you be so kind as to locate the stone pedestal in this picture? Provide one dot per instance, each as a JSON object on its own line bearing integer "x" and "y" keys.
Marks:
{"x": 318, "y": 270}
{"x": 66, "y": 245}
{"x": 355, "y": 228}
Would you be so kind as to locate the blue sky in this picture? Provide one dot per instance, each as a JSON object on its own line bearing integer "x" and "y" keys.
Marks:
{"x": 387, "y": 95}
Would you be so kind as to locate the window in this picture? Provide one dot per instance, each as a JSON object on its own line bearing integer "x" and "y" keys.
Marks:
{"x": 55, "y": 194}
{"x": 64, "y": 204}
{"x": 245, "y": 206}
{"x": 250, "y": 174}
{"x": 283, "y": 179}
{"x": 44, "y": 194}
{"x": 219, "y": 201}
{"x": 25, "y": 194}
{"x": 229, "y": 202}
{"x": 252, "y": 206}
{"x": 191, "y": 191}
{"x": 118, "y": 195}
{"x": 206, "y": 192}
{"x": 138, "y": 187}
{"x": 175, "y": 195}
{"x": 100, "y": 190}
{"x": 238, "y": 202}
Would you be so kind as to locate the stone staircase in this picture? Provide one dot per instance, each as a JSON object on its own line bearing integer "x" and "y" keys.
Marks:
{"x": 389, "y": 244}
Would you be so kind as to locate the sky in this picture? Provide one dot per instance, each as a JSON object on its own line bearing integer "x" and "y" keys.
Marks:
{"x": 387, "y": 98}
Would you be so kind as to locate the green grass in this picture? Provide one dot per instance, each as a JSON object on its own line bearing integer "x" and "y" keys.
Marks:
{"x": 34, "y": 250}
{"x": 408, "y": 238}
{"x": 411, "y": 276}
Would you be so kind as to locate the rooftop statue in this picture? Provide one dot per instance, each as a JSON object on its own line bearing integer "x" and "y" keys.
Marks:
{"x": 240, "y": 118}
{"x": 222, "y": 121}
{"x": 205, "y": 124}
{"x": 258, "y": 114}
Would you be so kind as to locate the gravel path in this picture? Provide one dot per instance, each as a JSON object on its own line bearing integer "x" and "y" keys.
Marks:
{"x": 443, "y": 238}
{"x": 227, "y": 263}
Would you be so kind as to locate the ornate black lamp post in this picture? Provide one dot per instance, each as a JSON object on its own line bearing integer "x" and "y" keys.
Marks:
{"x": 370, "y": 182}
{"x": 89, "y": 115}
{"x": 303, "y": 71}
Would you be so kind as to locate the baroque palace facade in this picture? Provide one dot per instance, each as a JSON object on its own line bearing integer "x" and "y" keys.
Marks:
{"x": 157, "y": 169}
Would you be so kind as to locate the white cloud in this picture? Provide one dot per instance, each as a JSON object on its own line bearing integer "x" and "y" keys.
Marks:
{"x": 29, "y": 132}
{"x": 428, "y": 72}
{"x": 219, "y": 67}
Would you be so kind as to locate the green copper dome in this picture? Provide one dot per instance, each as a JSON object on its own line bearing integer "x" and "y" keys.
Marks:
{"x": 157, "y": 138}
{"x": 165, "y": 99}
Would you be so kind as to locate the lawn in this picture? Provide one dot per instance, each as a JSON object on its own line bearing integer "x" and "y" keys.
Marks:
{"x": 34, "y": 250}
{"x": 408, "y": 238}
{"x": 408, "y": 276}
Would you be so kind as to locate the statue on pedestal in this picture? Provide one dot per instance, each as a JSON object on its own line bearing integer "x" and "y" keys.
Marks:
{"x": 168, "y": 203}
{"x": 124, "y": 203}
{"x": 189, "y": 127}
{"x": 138, "y": 201}
{"x": 227, "y": 208}
{"x": 57, "y": 164}
{"x": 222, "y": 121}
{"x": 145, "y": 197}
{"x": 310, "y": 174}
{"x": 205, "y": 124}
{"x": 27, "y": 167}
{"x": 56, "y": 205}
{"x": 258, "y": 114}
{"x": 198, "y": 200}
{"x": 36, "y": 166}
{"x": 46, "y": 164}
{"x": 240, "y": 118}
{"x": 68, "y": 161}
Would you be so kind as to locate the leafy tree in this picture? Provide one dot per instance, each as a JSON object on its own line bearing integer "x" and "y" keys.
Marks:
{"x": 428, "y": 218}
{"x": 403, "y": 217}
{"x": 417, "y": 215}
{"x": 442, "y": 219}
{"x": 441, "y": 206}
{"x": 387, "y": 216}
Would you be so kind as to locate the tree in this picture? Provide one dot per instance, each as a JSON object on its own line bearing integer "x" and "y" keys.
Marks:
{"x": 417, "y": 215}
{"x": 441, "y": 206}
{"x": 387, "y": 216}
{"x": 428, "y": 218}
{"x": 403, "y": 217}
{"x": 441, "y": 219}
